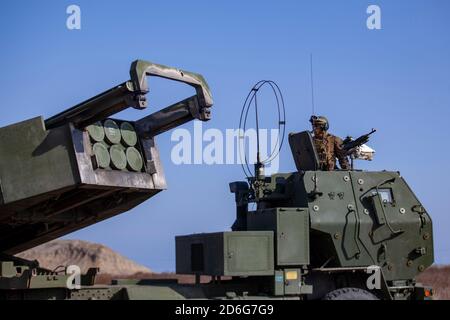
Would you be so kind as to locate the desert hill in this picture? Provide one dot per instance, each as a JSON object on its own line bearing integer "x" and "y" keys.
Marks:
{"x": 83, "y": 254}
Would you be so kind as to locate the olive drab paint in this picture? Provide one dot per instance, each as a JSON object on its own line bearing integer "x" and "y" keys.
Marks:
{"x": 313, "y": 234}
{"x": 128, "y": 133}
{"x": 69, "y": 171}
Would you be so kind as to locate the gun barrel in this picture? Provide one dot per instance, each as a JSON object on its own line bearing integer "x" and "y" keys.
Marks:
{"x": 350, "y": 145}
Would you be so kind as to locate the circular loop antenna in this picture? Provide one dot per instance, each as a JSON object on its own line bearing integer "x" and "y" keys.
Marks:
{"x": 250, "y": 100}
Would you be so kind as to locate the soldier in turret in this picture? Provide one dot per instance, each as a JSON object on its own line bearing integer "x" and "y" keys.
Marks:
{"x": 328, "y": 147}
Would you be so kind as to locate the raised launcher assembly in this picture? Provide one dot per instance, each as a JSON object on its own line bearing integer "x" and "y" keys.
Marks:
{"x": 80, "y": 167}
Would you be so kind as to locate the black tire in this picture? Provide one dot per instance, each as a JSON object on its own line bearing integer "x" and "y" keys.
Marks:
{"x": 350, "y": 294}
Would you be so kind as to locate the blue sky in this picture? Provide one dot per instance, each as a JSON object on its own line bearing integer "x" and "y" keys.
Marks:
{"x": 395, "y": 79}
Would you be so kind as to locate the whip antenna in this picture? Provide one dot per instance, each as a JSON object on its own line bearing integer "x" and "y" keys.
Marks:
{"x": 312, "y": 84}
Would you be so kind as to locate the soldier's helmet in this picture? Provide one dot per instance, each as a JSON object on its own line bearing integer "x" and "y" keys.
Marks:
{"x": 319, "y": 121}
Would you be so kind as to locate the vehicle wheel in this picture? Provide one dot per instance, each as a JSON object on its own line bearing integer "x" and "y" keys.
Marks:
{"x": 350, "y": 294}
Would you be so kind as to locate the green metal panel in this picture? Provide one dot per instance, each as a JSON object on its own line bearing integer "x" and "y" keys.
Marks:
{"x": 200, "y": 254}
{"x": 239, "y": 253}
{"x": 357, "y": 218}
{"x": 403, "y": 245}
{"x": 248, "y": 253}
{"x": 292, "y": 237}
{"x": 353, "y": 224}
{"x": 7, "y": 269}
{"x": 34, "y": 161}
{"x": 291, "y": 227}
{"x": 333, "y": 218}
{"x": 151, "y": 293}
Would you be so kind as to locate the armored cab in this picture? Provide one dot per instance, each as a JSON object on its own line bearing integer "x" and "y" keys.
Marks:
{"x": 319, "y": 234}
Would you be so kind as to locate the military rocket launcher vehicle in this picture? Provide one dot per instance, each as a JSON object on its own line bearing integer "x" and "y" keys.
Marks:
{"x": 344, "y": 234}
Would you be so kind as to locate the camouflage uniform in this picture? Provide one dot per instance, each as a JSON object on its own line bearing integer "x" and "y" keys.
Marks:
{"x": 328, "y": 146}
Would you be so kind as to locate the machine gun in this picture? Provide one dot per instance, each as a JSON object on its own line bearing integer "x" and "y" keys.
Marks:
{"x": 356, "y": 149}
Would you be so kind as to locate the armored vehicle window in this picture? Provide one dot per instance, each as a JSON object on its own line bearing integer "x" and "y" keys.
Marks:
{"x": 385, "y": 195}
